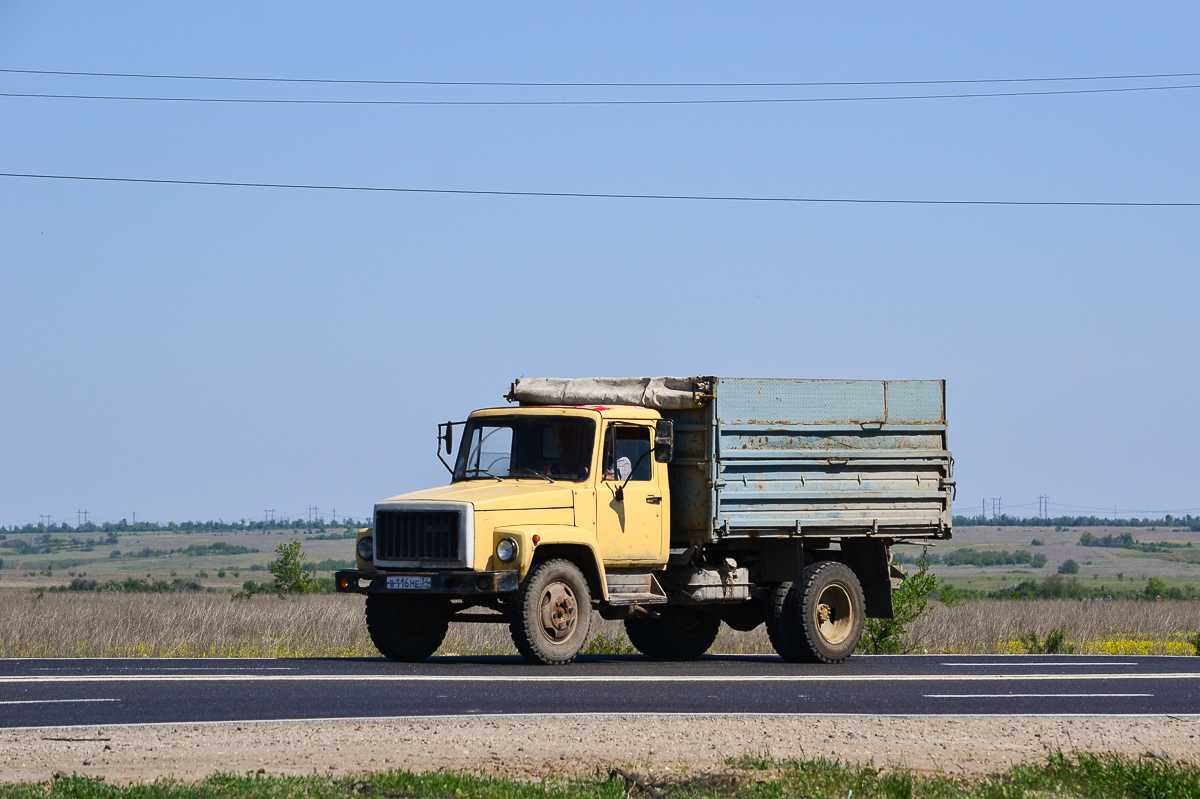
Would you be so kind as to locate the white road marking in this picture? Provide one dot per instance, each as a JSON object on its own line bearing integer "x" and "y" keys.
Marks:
{"x": 1009, "y": 696}
{"x": 191, "y": 668}
{"x": 589, "y": 678}
{"x": 1040, "y": 663}
{"x": 48, "y": 701}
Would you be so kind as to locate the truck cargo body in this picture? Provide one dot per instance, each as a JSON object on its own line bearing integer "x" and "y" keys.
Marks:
{"x": 770, "y": 457}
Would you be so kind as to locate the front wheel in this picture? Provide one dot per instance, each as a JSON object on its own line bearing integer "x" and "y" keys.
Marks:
{"x": 406, "y": 628}
{"x": 819, "y": 619}
{"x": 551, "y": 613}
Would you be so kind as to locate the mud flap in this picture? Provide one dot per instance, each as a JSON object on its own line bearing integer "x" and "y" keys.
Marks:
{"x": 870, "y": 559}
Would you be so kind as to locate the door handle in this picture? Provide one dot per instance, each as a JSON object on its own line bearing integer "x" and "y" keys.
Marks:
{"x": 654, "y": 500}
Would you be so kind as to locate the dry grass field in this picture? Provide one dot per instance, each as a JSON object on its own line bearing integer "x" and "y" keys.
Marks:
{"x": 173, "y": 555}
{"x": 211, "y": 625}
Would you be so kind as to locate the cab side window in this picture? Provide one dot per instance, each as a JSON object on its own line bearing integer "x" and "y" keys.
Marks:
{"x": 627, "y": 453}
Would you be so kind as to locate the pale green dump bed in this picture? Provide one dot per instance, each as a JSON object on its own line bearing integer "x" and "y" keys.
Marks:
{"x": 817, "y": 457}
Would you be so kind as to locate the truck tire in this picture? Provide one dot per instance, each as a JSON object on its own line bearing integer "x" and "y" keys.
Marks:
{"x": 819, "y": 619}
{"x": 674, "y": 634}
{"x": 551, "y": 613}
{"x": 406, "y": 628}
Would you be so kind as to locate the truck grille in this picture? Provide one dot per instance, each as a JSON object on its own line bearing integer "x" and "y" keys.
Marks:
{"x": 417, "y": 535}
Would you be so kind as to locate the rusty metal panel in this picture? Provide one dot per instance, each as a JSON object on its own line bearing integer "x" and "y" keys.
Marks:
{"x": 764, "y": 402}
{"x": 916, "y": 401}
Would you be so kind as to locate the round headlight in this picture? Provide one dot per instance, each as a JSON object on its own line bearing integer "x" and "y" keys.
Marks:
{"x": 366, "y": 548}
{"x": 506, "y": 550}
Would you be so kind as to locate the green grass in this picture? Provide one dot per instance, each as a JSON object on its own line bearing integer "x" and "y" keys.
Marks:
{"x": 1079, "y": 774}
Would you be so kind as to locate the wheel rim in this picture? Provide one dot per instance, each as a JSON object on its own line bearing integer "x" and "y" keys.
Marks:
{"x": 558, "y": 612}
{"x": 834, "y": 618}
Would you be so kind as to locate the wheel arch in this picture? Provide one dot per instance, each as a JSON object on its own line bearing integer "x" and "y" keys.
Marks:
{"x": 582, "y": 556}
{"x": 559, "y": 541}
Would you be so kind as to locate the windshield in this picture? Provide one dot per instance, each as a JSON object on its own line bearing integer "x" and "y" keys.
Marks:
{"x": 546, "y": 447}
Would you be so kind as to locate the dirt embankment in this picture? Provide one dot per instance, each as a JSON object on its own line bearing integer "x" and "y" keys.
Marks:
{"x": 525, "y": 746}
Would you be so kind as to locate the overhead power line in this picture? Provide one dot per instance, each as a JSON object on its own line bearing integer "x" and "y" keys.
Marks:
{"x": 602, "y": 195}
{"x": 707, "y": 101}
{"x": 722, "y": 84}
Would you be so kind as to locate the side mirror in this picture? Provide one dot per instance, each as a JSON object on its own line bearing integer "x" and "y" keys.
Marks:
{"x": 664, "y": 441}
{"x": 446, "y": 436}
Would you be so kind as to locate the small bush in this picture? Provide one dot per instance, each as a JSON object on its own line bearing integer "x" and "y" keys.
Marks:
{"x": 1068, "y": 566}
{"x": 290, "y": 574}
{"x": 1055, "y": 643}
{"x": 608, "y": 645}
{"x": 909, "y": 602}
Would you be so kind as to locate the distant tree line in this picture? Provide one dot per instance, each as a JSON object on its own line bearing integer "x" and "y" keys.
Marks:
{"x": 195, "y": 550}
{"x": 1127, "y": 541}
{"x": 130, "y": 585}
{"x": 1058, "y": 586}
{"x": 46, "y": 544}
{"x": 974, "y": 557}
{"x": 1005, "y": 520}
{"x": 218, "y": 526}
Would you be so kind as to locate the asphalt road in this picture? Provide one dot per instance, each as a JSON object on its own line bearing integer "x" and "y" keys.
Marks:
{"x": 100, "y": 691}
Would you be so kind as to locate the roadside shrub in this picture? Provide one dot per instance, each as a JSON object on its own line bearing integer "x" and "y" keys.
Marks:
{"x": 1055, "y": 643}
{"x": 290, "y": 575}
{"x": 909, "y": 602}
{"x": 608, "y": 645}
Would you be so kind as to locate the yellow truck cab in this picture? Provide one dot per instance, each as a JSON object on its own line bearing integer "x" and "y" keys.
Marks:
{"x": 585, "y": 497}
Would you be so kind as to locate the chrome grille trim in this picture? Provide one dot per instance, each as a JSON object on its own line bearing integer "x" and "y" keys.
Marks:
{"x": 424, "y": 534}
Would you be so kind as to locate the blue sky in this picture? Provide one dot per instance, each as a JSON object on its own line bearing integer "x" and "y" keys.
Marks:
{"x": 188, "y": 352}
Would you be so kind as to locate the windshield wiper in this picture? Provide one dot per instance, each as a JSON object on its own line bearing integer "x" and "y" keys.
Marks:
{"x": 479, "y": 473}
{"x": 536, "y": 473}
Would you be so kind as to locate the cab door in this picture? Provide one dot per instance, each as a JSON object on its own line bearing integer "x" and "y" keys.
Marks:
{"x": 629, "y": 501}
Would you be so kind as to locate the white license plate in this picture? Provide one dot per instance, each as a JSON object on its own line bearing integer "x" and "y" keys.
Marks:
{"x": 410, "y": 583}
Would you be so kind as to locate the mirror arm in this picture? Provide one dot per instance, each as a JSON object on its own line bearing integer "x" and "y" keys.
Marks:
{"x": 448, "y": 438}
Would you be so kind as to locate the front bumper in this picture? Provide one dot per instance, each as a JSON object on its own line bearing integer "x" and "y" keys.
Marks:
{"x": 354, "y": 581}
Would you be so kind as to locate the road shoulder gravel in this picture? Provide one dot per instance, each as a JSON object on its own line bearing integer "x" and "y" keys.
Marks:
{"x": 532, "y": 746}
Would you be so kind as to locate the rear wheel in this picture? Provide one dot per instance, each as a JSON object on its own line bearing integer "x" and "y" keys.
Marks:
{"x": 406, "y": 628}
{"x": 674, "y": 634}
{"x": 819, "y": 619}
{"x": 551, "y": 613}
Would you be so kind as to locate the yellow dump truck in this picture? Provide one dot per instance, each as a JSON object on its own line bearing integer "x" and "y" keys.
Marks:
{"x": 674, "y": 504}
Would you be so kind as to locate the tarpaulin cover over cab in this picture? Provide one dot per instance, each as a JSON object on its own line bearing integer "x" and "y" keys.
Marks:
{"x": 657, "y": 393}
